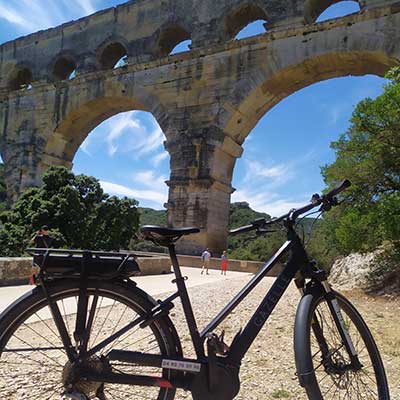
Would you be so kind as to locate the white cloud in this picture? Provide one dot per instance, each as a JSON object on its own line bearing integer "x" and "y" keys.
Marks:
{"x": 153, "y": 142}
{"x": 261, "y": 185}
{"x": 267, "y": 202}
{"x": 86, "y": 5}
{"x": 339, "y": 112}
{"x": 117, "y": 127}
{"x": 154, "y": 196}
{"x": 85, "y": 146}
{"x": 15, "y": 17}
{"x": 33, "y": 15}
{"x": 148, "y": 187}
{"x": 130, "y": 133}
{"x": 255, "y": 169}
{"x": 149, "y": 179}
{"x": 156, "y": 160}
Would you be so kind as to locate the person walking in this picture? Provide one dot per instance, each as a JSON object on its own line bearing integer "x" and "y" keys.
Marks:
{"x": 205, "y": 257}
{"x": 224, "y": 263}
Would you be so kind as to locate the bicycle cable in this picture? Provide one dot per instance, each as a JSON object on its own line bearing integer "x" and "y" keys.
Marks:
{"x": 319, "y": 212}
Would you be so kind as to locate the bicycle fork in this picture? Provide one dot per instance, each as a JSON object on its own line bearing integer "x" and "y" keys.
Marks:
{"x": 341, "y": 327}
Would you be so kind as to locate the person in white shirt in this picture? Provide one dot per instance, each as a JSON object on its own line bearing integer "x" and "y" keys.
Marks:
{"x": 206, "y": 261}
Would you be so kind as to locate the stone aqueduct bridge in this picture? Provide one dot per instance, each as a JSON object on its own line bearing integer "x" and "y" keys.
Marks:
{"x": 206, "y": 100}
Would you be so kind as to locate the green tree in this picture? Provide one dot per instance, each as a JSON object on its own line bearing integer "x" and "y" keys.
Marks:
{"x": 368, "y": 154}
{"x": 77, "y": 210}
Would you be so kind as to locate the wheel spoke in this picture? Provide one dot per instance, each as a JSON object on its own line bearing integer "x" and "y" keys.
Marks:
{"x": 335, "y": 377}
{"x": 34, "y": 356}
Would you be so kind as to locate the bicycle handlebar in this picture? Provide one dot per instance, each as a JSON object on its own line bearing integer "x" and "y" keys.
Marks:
{"x": 327, "y": 200}
{"x": 338, "y": 189}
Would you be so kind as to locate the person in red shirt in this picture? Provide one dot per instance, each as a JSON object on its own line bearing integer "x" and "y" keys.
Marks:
{"x": 224, "y": 263}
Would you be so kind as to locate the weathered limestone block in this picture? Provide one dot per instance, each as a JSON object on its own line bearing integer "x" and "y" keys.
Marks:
{"x": 14, "y": 270}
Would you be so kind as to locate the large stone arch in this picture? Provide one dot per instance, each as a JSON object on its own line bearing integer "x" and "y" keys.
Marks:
{"x": 251, "y": 102}
{"x": 81, "y": 117}
{"x": 254, "y": 98}
{"x": 206, "y": 100}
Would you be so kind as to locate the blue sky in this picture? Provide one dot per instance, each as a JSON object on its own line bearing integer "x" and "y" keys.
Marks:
{"x": 282, "y": 157}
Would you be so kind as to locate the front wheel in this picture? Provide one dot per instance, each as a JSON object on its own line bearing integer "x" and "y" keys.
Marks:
{"x": 34, "y": 364}
{"x": 322, "y": 362}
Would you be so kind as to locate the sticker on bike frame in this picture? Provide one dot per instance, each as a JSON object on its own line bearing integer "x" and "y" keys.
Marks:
{"x": 181, "y": 365}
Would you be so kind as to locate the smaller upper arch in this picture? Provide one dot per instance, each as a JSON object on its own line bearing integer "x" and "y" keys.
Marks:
{"x": 112, "y": 54}
{"x": 170, "y": 36}
{"x": 111, "y": 51}
{"x": 314, "y": 8}
{"x": 241, "y": 16}
{"x": 64, "y": 67}
{"x": 21, "y": 77}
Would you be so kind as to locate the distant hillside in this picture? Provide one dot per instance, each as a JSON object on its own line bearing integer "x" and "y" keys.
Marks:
{"x": 247, "y": 246}
{"x": 241, "y": 214}
{"x": 148, "y": 216}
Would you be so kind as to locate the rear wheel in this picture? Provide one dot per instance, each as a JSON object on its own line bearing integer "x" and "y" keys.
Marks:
{"x": 324, "y": 365}
{"x": 33, "y": 362}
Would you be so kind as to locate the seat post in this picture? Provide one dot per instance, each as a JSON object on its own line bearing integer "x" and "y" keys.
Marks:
{"x": 186, "y": 305}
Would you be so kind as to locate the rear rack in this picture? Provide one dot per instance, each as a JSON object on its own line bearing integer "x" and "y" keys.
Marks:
{"x": 65, "y": 262}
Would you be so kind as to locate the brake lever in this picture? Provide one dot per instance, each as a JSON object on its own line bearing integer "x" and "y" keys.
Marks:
{"x": 328, "y": 203}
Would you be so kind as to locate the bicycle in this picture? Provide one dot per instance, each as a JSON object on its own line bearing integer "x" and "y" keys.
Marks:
{"x": 87, "y": 331}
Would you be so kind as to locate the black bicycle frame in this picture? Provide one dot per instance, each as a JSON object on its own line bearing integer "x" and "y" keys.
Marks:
{"x": 297, "y": 267}
{"x": 241, "y": 342}
{"x": 245, "y": 338}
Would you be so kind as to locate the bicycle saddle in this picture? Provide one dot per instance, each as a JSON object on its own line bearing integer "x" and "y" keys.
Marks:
{"x": 168, "y": 233}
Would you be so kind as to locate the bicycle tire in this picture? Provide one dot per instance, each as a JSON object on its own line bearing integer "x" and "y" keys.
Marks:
{"x": 322, "y": 382}
{"x": 27, "y": 325}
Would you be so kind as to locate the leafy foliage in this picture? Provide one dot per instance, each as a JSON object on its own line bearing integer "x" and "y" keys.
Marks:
{"x": 368, "y": 153}
{"x": 148, "y": 216}
{"x": 247, "y": 246}
{"x": 77, "y": 210}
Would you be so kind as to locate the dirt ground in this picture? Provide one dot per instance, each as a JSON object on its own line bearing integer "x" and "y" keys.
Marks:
{"x": 268, "y": 371}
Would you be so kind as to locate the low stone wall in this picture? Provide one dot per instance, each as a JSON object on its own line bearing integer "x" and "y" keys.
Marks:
{"x": 15, "y": 271}
{"x": 233, "y": 265}
{"x": 215, "y": 263}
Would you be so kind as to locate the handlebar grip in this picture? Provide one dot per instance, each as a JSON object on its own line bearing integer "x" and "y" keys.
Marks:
{"x": 340, "y": 188}
{"x": 242, "y": 229}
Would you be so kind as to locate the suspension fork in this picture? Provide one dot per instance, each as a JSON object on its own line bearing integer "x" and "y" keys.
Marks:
{"x": 337, "y": 316}
{"x": 319, "y": 276}
{"x": 315, "y": 325}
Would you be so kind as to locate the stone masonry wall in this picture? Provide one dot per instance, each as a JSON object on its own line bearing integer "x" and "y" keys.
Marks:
{"x": 206, "y": 100}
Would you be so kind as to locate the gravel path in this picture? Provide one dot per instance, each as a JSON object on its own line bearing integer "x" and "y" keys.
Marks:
{"x": 268, "y": 370}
